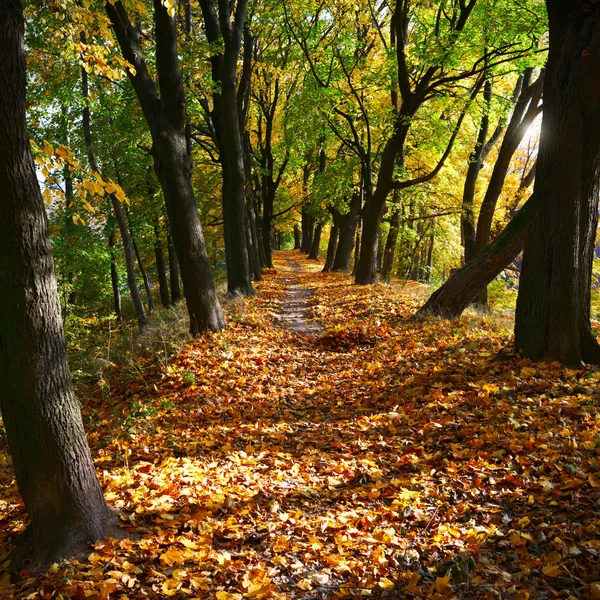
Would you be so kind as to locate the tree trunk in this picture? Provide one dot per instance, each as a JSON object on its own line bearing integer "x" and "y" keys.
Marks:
{"x": 390, "y": 246}
{"x": 53, "y": 467}
{"x": 347, "y": 225}
{"x": 308, "y": 227}
{"x": 316, "y": 243}
{"x": 297, "y": 237}
{"x": 144, "y": 276}
{"x": 357, "y": 247}
{"x": 553, "y": 307}
{"x": 173, "y": 271}
{"x": 160, "y": 268}
{"x": 429, "y": 266}
{"x": 451, "y": 299}
{"x": 254, "y": 241}
{"x": 114, "y": 278}
{"x": 226, "y": 29}
{"x": 166, "y": 118}
{"x": 331, "y": 247}
{"x": 523, "y": 116}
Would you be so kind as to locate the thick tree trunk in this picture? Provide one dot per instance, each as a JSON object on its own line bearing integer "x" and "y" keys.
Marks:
{"x": 173, "y": 271}
{"x": 225, "y": 27}
{"x": 161, "y": 270}
{"x": 347, "y": 225}
{"x": 331, "y": 247}
{"x": 166, "y": 118}
{"x": 308, "y": 227}
{"x": 42, "y": 418}
{"x": 316, "y": 243}
{"x": 451, "y": 299}
{"x": 553, "y": 312}
{"x": 114, "y": 278}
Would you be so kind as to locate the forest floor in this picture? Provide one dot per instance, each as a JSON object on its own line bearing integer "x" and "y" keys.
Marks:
{"x": 326, "y": 445}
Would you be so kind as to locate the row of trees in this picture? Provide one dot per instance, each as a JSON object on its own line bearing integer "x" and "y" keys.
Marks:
{"x": 359, "y": 98}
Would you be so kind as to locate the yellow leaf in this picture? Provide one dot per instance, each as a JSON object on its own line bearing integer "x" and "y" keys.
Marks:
{"x": 173, "y": 557}
{"x": 522, "y": 595}
{"x": 551, "y": 570}
{"x": 170, "y": 587}
{"x": 228, "y": 596}
{"x": 442, "y": 584}
{"x": 386, "y": 584}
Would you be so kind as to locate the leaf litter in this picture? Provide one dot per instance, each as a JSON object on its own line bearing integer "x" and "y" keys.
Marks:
{"x": 386, "y": 457}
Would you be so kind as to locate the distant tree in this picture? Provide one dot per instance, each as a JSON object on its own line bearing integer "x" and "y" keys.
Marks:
{"x": 42, "y": 418}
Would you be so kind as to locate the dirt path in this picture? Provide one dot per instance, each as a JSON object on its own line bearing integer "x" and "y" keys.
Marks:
{"x": 295, "y": 304}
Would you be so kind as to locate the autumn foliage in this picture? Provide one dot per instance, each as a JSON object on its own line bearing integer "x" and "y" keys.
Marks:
{"x": 386, "y": 457}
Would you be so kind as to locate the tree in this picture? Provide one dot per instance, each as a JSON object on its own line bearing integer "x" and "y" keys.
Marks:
{"x": 553, "y": 306}
{"x": 224, "y": 24}
{"x": 166, "y": 119}
{"x": 47, "y": 443}
{"x": 425, "y": 73}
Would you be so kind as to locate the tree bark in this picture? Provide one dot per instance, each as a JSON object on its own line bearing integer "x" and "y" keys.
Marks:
{"x": 166, "y": 119}
{"x": 451, "y": 299}
{"x": 308, "y": 228}
{"x": 331, "y": 248}
{"x": 53, "y": 467}
{"x": 297, "y": 237}
{"x": 316, "y": 243}
{"x": 347, "y": 225}
{"x": 225, "y": 26}
{"x": 553, "y": 307}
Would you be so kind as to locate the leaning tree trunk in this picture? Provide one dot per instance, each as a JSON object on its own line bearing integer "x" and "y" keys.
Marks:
{"x": 553, "y": 311}
{"x": 451, "y": 299}
{"x": 53, "y": 467}
{"x": 331, "y": 247}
